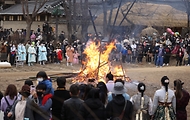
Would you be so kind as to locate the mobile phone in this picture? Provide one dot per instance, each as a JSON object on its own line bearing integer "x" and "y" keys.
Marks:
{"x": 32, "y": 88}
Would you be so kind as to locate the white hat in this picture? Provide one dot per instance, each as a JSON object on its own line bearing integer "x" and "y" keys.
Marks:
{"x": 119, "y": 88}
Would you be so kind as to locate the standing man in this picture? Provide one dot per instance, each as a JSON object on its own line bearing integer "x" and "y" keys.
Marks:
{"x": 70, "y": 109}
{"x": 62, "y": 36}
{"x": 160, "y": 56}
{"x": 60, "y": 95}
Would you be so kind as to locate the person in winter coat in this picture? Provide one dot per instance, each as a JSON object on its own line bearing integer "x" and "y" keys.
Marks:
{"x": 179, "y": 56}
{"x": 23, "y": 109}
{"x": 119, "y": 107}
{"x": 182, "y": 100}
{"x": 70, "y": 108}
{"x": 11, "y": 96}
{"x": 44, "y": 103}
{"x": 42, "y": 78}
{"x": 93, "y": 108}
{"x": 60, "y": 95}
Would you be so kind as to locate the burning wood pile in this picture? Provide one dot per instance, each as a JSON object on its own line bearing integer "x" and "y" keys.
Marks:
{"x": 97, "y": 64}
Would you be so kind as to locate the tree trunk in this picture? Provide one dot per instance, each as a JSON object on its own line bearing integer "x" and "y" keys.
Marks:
{"x": 74, "y": 16}
{"x": 28, "y": 29}
{"x": 56, "y": 28}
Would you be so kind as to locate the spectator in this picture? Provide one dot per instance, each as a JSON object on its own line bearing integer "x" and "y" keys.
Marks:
{"x": 167, "y": 55}
{"x": 182, "y": 100}
{"x": 164, "y": 102}
{"x": 103, "y": 92}
{"x": 69, "y": 55}
{"x": 31, "y": 55}
{"x": 82, "y": 89}
{"x": 119, "y": 107}
{"x": 60, "y": 95}
{"x": 142, "y": 104}
{"x": 179, "y": 56}
{"x": 160, "y": 56}
{"x": 12, "y": 54}
{"x": 10, "y": 97}
{"x": 124, "y": 54}
{"x": 42, "y": 78}
{"x": 93, "y": 108}
{"x": 109, "y": 82}
{"x": 76, "y": 57}
{"x": 62, "y": 36}
{"x": 24, "y": 108}
{"x": 44, "y": 103}
{"x": 70, "y": 108}
{"x": 111, "y": 94}
{"x": 42, "y": 54}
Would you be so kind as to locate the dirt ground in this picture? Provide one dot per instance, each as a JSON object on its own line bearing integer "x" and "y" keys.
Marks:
{"x": 146, "y": 73}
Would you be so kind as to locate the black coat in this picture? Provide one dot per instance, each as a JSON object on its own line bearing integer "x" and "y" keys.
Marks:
{"x": 93, "y": 109}
{"x": 70, "y": 109}
{"x": 59, "y": 97}
{"x": 115, "y": 107}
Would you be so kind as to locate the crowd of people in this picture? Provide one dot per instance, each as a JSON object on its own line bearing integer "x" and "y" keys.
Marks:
{"x": 156, "y": 51}
{"x": 93, "y": 101}
{"x": 40, "y": 51}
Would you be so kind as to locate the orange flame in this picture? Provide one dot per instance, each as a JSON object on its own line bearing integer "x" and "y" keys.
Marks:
{"x": 96, "y": 64}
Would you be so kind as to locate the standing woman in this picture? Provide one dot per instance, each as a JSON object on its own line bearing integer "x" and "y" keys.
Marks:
{"x": 10, "y": 97}
{"x": 164, "y": 102}
{"x": 182, "y": 99}
{"x": 142, "y": 104}
{"x": 69, "y": 55}
{"x": 24, "y": 108}
{"x": 12, "y": 54}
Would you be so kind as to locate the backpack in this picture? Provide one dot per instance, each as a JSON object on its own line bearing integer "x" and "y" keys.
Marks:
{"x": 8, "y": 109}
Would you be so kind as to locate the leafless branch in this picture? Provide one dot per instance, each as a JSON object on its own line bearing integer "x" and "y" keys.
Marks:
{"x": 41, "y": 4}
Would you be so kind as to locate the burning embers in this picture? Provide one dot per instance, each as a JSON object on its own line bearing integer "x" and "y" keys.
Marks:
{"x": 97, "y": 64}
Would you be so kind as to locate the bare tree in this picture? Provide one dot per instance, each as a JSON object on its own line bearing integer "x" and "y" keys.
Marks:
{"x": 29, "y": 15}
{"x": 187, "y": 6}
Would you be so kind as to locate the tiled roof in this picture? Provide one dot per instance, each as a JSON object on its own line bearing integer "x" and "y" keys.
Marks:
{"x": 17, "y": 8}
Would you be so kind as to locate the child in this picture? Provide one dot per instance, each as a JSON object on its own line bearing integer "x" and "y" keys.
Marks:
{"x": 76, "y": 57}
{"x": 59, "y": 55}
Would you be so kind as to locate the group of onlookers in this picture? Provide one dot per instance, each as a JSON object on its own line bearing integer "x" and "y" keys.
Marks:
{"x": 159, "y": 51}
{"x": 93, "y": 101}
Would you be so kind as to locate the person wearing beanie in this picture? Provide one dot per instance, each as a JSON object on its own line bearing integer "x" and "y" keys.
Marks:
{"x": 142, "y": 104}
{"x": 164, "y": 102}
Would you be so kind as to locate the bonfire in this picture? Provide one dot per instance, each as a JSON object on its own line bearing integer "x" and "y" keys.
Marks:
{"x": 97, "y": 64}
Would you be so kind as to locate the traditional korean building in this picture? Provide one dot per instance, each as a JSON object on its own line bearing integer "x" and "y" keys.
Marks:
{"x": 13, "y": 18}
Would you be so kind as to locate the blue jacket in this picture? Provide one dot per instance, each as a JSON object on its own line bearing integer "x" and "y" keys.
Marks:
{"x": 48, "y": 84}
{"x": 44, "y": 113}
{"x": 124, "y": 51}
